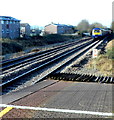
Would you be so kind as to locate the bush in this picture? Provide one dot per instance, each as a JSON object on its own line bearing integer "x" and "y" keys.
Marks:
{"x": 11, "y": 48}
{"x": 110, "y": 50}
{"x": 110, "y": 53}
{"x": 54, "y": 38}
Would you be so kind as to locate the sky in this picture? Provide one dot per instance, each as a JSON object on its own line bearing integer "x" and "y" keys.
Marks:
{"x": 43, "y": 12}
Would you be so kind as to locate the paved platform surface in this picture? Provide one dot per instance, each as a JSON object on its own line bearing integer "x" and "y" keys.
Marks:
{"x": 15, "y": 95}
{"x": 80, "y": 96}
{"x": 65, "y": 96}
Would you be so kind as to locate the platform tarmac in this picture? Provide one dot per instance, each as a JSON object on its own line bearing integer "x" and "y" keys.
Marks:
{"x": 60, "y": 99}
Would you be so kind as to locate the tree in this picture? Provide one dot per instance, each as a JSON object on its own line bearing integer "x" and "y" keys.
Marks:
{"x": 83, "y": 26}
{"x": 95, "y": 25}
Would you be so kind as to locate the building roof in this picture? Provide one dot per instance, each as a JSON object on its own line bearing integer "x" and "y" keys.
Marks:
{"x": 24, "y": 24}
{"x": 8, "y": 18}
{"x": 61, "y": 25}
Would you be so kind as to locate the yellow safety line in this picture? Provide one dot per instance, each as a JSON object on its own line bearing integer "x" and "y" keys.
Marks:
{"x": 3, "y": 112}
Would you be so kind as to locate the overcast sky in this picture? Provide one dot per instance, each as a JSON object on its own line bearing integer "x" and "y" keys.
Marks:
{"x": 43, "y": 12}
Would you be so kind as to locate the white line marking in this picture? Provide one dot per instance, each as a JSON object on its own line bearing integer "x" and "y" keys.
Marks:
{"x": 58, "y": 110}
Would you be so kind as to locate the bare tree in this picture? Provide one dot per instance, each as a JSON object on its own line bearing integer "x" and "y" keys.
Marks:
{"x": 83, "y": 26}
{"x": 97, "y": 25}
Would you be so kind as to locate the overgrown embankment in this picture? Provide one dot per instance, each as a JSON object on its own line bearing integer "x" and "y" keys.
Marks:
{"x": 13, "y": 46}
{"x": 104, "y": 63}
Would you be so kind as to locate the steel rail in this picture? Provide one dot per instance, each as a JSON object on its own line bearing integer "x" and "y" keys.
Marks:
{"x": 55, "y": 59}
{"x": 16, "y": 62}
{"x": 42, "y": 58}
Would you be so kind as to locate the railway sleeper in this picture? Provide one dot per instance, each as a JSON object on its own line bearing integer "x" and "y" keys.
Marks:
{"x": 81, "y": 77}
{"x": 87, "y": 78}
{"x": 92, "y": 78}
{"x": 96, "y": 80}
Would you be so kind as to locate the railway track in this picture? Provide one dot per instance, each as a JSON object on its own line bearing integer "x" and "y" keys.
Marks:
{"x": 12, "y": 67}
{"x": 7, "y": 64}
{"x": 43, "y": 62}
{"x": 82, "y": 76}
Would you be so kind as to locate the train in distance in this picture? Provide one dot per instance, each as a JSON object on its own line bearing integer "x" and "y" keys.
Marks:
{"x": 99, "y": 33}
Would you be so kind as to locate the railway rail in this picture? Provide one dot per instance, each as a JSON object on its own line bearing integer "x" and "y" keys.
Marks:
{"x": 40, "y": 58}
{"x": 62, "y": 74}
{"x": 7, "y": 64}
{"x": 46, "y": 65}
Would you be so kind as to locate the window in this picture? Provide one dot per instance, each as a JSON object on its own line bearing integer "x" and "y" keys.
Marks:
{"x": 7, "y": 35}
{"x": 2, "y": 31}
{"x": 7, "y": 26}
{"x": 10, "y": 22}
{"x": 96, "y": 31}
{"x": 7, "y": 22}
{"x": 2, "y": 22}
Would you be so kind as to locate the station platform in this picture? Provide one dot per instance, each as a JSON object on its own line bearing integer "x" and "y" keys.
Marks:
{"x": 60, "y": 99}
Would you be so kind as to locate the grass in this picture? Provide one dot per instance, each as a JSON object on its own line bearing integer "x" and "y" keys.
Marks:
{"x": 104, "y": 63}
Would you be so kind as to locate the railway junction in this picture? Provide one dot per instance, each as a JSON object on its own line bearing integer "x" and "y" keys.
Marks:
{"x": 52, "y": 93}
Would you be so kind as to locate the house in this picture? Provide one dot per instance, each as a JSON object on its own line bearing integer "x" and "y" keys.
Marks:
{"x": 24, "y": 30}
{"x": 34, "y": 32}
{"x": 9, "y": 27}
{"x": 58, "y": 29}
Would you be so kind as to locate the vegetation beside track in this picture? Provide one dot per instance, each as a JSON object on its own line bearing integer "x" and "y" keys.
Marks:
{"x": 104, "y": 63}
{"x": 20, "y": 45}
